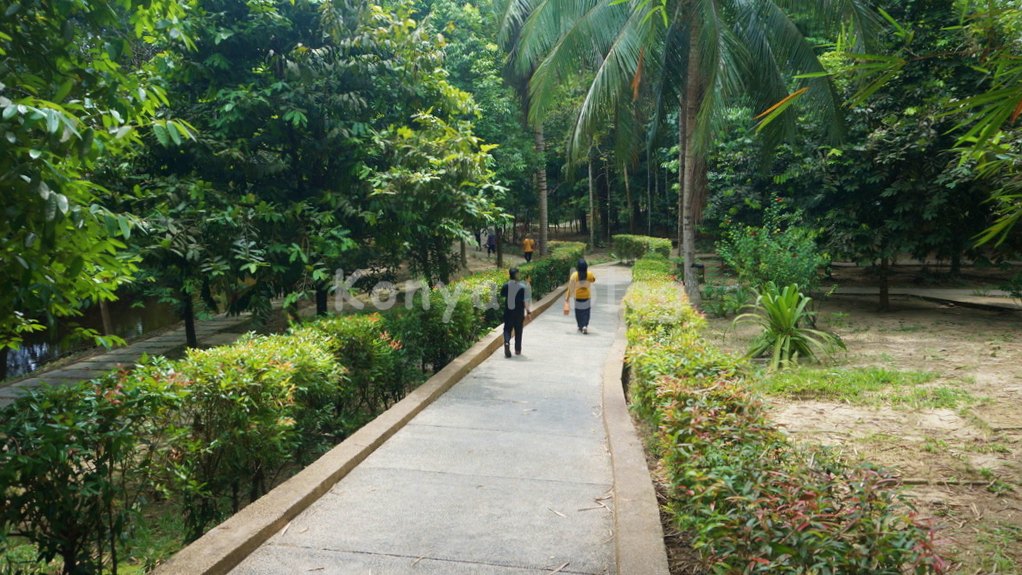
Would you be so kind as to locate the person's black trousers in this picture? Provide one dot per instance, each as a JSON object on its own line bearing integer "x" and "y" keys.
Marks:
{"x": 514, "y": 322}
{"x": 582, "y": 309}
{"x": 528, "y": 257}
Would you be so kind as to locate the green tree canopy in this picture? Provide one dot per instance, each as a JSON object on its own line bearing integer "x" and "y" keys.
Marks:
{"x": 69, "y": 96}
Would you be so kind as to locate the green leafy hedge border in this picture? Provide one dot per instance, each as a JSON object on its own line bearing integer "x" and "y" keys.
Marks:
{"x": 219, "y": 427}
{"x": 631, "y": 247}
{"x": 751, "y": 501}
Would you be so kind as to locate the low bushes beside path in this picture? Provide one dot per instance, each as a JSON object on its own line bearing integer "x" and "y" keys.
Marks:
{"x": 749, "y": 500}
{"x": 202, "y": 436}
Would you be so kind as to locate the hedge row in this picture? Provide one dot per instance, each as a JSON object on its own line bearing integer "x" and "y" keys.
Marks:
{"x": 630, "y": 248}
{"x": 752, "y": 501}
{"x": 219, "y": 427}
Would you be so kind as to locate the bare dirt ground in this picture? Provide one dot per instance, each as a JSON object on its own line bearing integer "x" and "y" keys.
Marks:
{"x": 961, "y": 467}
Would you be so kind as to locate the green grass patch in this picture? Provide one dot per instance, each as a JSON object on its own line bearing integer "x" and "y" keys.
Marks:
{"x": 942, "y": 397}
{"x": 990, "y": 447}
{"x": 159, "y": 535}
{"x": 931, "y": 445}
{"x": 863, "y": 386}
{"x": 995, "y": 543}
{"x": 18, "y": 556}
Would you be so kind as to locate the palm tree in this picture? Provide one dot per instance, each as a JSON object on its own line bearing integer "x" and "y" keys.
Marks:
{"x": 519, "y": 79}
{"x": 694, "y": 56}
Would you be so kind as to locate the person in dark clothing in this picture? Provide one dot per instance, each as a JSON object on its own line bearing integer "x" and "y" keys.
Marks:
{"x": 515, "y": 297}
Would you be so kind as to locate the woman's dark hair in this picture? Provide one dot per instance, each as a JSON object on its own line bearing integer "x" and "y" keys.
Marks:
{"x": 583, "y": 270}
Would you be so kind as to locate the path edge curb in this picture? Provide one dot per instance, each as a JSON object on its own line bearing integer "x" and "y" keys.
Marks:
{"x": 225, "y": 546}
{"x": 638, "y": 534}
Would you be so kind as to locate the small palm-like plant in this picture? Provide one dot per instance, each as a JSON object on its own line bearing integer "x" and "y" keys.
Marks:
{"x": 782, "y": 315}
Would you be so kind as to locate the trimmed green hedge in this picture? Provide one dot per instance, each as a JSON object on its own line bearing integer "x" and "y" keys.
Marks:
{"x": 248, "y": 409}
{"x": 750, "y": 500}
{"x": 630, "y": 247}
{"x": 213, "y": 430}
{"x": 653, "y": 267}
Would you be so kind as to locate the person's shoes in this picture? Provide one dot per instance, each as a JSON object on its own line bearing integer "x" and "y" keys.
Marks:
{"x": 507, "y": 350}
{"x": 585, "y": 330}
{"x": 579, "y": 330}
{"x": 518, "y": 352}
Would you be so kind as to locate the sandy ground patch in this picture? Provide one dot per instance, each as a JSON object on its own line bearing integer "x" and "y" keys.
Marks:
{"x": 962, "y": 467}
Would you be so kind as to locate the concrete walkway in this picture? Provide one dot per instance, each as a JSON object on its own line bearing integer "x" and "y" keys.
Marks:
{"x": 211, "y": 332}
{"x": 995, "y": 300}
{"x": 507, "y": 473}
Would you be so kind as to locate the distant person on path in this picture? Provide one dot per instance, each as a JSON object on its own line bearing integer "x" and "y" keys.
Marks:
{"x": 479, "y": 239}
{"x": 491, "y": 243}
{"x": 514, "y": 300}
{"x": 579, "y": 288}
{"x": 528, "y": 246}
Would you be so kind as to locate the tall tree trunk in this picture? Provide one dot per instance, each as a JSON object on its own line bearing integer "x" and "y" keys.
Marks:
{"x": 464, "y": 254}
{"x": 500, "y": 247}
{"x": 682, "y": 146}
{"x": 690, "y": 195}
{"x": 104, "y": 314}
{"x": 322, "y": 296}
{"x": 603, "y": 199}
{"x": 667, "y": 203}
{"x": 631, "y": 204}
{"x": 4, "y": 352}
{"x": 592, "y": 204}
{"x": 610, "y": 218}
{"x": 956, "y": 252}
{"x": 541, "y": 190}
{"x": 443, "y": 260}
{"x": 654, "y": 196}
{"x": 188, "y": 315}
{"x": 885, "y": 288}
{"x": 650, "y": 171}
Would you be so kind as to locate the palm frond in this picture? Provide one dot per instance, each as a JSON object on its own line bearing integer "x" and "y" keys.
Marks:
{"x": 608, "y": 36}
{"x": 510, "y": 17}
{"x": 865, "y": 24}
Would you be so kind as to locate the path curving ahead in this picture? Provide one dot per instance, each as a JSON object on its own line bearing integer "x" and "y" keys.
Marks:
{"x": 507, "y": 473}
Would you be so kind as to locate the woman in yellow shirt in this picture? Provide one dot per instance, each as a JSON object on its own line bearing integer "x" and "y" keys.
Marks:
{"x": 580, "y": 289}
{"x": 528, "y": 246}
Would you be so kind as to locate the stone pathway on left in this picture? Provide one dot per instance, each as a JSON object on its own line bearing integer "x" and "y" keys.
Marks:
{"x": 211, "y": 332}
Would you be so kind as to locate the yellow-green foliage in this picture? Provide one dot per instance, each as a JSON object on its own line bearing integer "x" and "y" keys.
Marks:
{"x": 630, "y": 247}
{"x": 653, "y": 268}
{"x": 656, "y": 300}
{"x": 750, "y": 501}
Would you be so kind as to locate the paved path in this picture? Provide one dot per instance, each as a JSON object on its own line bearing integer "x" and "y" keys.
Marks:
{"x": 993, "y": 299}
{"x": 507, "y": 473}
{"x": 216, "y": 331}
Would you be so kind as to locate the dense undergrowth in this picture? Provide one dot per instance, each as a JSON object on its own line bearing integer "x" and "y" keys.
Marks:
{"x": 202, "y": 436}
{"x": 750, "y": 500}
